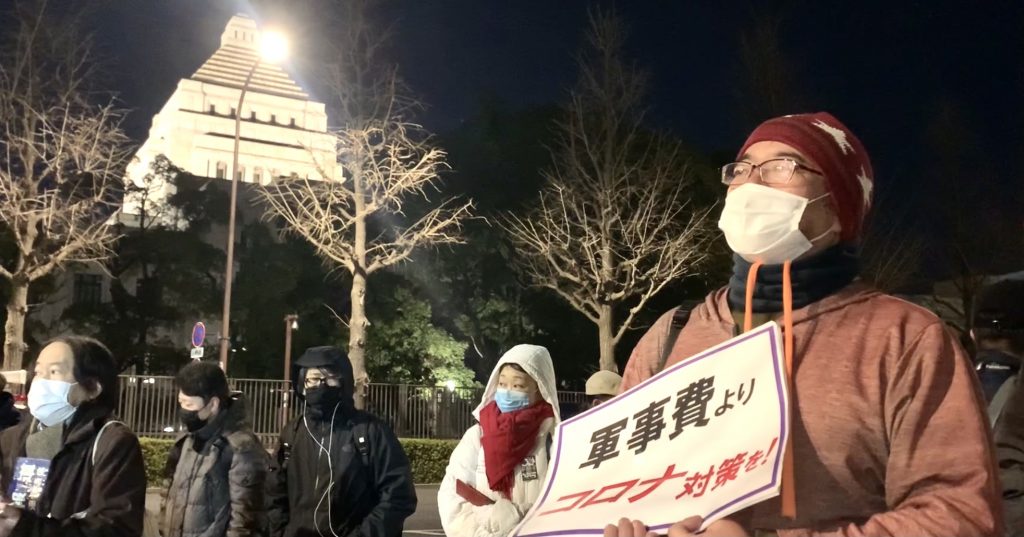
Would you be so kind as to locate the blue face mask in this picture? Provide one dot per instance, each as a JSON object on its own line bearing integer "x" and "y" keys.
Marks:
{"x": 511, "y": 400}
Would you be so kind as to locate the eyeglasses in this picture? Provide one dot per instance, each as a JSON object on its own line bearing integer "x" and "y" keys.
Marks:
{"x": 316, "y": 382}
{"x": 774, "y": 172}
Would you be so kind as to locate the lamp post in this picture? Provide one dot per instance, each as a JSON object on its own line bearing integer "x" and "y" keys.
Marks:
{"x": 291, "y": 322}
{"x": 273, "y": 48}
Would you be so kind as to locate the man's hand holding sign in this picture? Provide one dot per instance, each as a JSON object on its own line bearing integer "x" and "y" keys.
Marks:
{"x": 705, "y": 438}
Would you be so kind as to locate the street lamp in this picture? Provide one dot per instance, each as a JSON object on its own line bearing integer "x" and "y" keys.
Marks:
{"x": 273, "y": 48}
{"x": 291, "y": 323}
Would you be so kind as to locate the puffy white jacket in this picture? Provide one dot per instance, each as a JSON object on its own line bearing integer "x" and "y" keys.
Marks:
{"x": 463, "y": 519}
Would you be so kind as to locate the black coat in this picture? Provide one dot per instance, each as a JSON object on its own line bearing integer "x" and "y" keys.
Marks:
{"x": 219, "y": 475}
{"x": 80, "y": 499}
{"x": 363, "y": 499}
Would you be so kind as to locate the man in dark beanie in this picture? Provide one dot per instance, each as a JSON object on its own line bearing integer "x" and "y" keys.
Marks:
{"x": 999, "y": 333}
{"x": 888, "y": 433}
{"x": 340, "y": 472}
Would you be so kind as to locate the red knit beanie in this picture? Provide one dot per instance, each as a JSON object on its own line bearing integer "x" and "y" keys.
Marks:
{"x": 836, "y": 152}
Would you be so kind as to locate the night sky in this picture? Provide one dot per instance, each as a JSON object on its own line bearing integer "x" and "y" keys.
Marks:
{"x": 883, "y": 68}
{"x": 878, "y": 67}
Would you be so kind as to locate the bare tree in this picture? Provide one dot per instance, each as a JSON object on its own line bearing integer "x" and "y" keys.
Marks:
{"x": 893, "y": 250}
{"x": 61, "y": 159}
{"x": 613, "y": 225}
{"x": 974, "y": 243}
{"x": 769, "y": 85}
{"x": 378, "y": 211}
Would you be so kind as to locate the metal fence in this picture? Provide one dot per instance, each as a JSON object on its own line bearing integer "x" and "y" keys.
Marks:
{"x": 150, "y": 405}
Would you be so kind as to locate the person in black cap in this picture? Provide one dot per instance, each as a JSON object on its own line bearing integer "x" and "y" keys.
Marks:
{"x": 339, "y": 472}
{"x": 999, "y": 333}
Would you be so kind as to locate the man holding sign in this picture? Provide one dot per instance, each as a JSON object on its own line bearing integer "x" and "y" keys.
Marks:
{"x": 889, "y": 436}
{"x": 706, "y": 434}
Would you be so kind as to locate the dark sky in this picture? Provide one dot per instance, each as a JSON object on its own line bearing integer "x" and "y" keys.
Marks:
{"x": 881, "y": 67}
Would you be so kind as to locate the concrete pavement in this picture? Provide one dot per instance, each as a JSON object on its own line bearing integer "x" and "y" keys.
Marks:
{"x": 424, "y": 522}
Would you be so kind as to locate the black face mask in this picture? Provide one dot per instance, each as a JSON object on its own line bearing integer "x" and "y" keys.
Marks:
{"x": 191, "y": 419}
{"x": 324, "y": 398}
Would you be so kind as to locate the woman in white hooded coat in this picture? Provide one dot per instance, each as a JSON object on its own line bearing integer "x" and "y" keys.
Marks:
{"x": 496, "y": 472}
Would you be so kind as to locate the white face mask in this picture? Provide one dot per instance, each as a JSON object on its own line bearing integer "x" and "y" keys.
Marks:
{"x": 48, "y": 401}
{"x": 763, "y": 224}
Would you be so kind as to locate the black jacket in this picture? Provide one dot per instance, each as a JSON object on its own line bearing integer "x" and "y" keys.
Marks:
{"x": 219, "y": 477}
{"x": 314, "y": 489}
{"x": 81, "y": 499}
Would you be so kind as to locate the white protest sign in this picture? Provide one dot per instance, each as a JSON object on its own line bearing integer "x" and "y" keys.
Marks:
{"x": 704, "y": 438}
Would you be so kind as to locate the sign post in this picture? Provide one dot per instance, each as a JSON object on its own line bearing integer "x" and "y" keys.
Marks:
{"x": 705, "y": 438}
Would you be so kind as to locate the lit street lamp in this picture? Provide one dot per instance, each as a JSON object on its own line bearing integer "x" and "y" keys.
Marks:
{"x": 273, "y": 48}
{"x": 291, "y": 323}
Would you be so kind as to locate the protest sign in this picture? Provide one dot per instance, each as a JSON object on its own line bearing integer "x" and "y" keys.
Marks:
{"x": 705, "y": 437}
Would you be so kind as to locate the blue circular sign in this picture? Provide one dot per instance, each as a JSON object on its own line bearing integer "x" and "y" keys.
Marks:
{"x": 198, "y": 335}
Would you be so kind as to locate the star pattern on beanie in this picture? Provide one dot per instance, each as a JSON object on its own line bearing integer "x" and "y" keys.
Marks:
{"x": 838, "y": 134}
{"x": 866, "y": 186}
{"x": 839, "y": 155}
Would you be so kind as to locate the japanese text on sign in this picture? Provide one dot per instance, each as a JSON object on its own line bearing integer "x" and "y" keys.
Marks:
{"x": 704, "y": 437}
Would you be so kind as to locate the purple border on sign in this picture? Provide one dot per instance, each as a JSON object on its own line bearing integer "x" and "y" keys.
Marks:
{"x": 778, "y": 452}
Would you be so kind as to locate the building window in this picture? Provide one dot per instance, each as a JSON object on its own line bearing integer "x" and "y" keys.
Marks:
{"x": 222, "y": 170}
{"x": 252, "y": 115}
{"x": 147, "y": 290}
{"x": 292, "y": 122}
{"x": 241, "y": 173}
{"x": 213, "y": 109}
{"x": 273, "y": 118}
{"x": 232, "y": 111}
{"x": 87, "y": 289}
{"x": 257, "y": 174}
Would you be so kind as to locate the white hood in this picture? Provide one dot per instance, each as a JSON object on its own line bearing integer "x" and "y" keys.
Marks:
{"x": 536, "y": 361}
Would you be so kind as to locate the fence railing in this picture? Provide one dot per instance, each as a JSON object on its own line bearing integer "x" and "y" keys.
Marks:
{"x": 149, "y": 405}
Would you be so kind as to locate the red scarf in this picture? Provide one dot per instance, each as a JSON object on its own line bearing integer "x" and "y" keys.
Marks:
{"x": 507, "y": 439}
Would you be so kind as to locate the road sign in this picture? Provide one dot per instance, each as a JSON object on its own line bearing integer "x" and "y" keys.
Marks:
{"x": 197, "y": 353}
{"x": 198, "y": 336}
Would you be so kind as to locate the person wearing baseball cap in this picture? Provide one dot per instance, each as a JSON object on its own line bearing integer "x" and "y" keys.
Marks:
{"x": 889, "y": 433}
{"x": 602, "y": 386}
{"x": 998, "y": 332}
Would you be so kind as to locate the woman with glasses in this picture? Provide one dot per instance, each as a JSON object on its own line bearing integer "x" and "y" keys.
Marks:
{"x": 339, "y": 471}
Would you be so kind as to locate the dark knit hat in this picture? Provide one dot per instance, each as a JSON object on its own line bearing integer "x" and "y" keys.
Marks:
{"x": 838, "y": 154}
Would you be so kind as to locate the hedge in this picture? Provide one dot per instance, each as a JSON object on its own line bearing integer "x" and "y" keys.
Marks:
{"x": 154, "y": 453}
{"x": 428, "y": 458}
